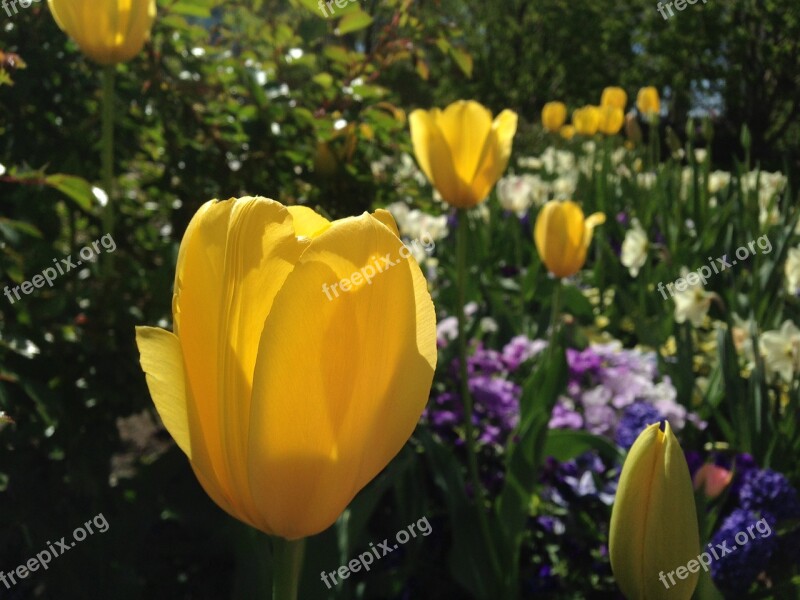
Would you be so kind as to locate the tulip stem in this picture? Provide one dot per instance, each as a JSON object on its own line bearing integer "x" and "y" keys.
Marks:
{"x": 107, "y": 150}
{"x": 286, "y": 565}
{"x": 462, "y": 232}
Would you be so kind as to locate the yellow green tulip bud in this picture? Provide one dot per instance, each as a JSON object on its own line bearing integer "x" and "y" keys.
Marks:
{"x": 461, "y": 150}
{"x": 563, "y": 235}
{"x": 614, "y": 96}
{"x": 653, "y": 539}
{"x": 648, "y": 102}
{"x": 107, "y": 31}
{"x": 554, "y": 114}
{"x": 301, "y": 360}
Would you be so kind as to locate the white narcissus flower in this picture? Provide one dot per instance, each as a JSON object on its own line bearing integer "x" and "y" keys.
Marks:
{"x": 718, "y": 180}
{"x": 781, "y": 350}
{"x": 792, "y": 271}
{"x": 692, "y": 304}
{"x": 515, "y": 193}
{"x": 634, "y": 249}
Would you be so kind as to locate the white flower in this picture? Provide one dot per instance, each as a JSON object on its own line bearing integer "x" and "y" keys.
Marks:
{"x": 693, "y": 302}
{"x": 792, "y": 271}
{"x": 515, "y": 193}
{"x": 564, "y": 187}
{"x": 646, "y": 180}
{"x": 634, "y": 249}
{"x": 529, "y": 162}
{"x": 700, "y": 155}
{"x": 781, "y": 351}
{"x": 718, "y": 180}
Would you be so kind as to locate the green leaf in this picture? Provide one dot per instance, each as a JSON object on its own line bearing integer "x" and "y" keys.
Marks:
{"x": 566, "y": 444}
{"x": 463, "y": 60}
{"x": 78, "y": 189}
{"x": 354, "y": 21}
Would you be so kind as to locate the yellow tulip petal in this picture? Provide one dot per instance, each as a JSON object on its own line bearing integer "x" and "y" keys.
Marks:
{"x": 306, "y": 222}
{"x": 653, "y": 525}
{"x": 435, "y": 158}
{"x": 162, "y": 362}
{"x": 324, "y": 422}
{"x": 466, "y": 126}
{"x": 496, "y": 154}
{"x": 233, "y": 260}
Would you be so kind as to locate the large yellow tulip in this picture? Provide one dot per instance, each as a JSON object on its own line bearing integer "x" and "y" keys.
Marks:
{"x": 301, "y": 361}
{"x": 648, "y": 102}
{"x": 653, "y": 539}
{"x": 107, "y": 31}
{"x": 563, "y": 235}
{"x": 554, "y": 114}
{"x": 462, "y": 150}
{"x": 611, "y": 120}
{"x": 614, "y": 96}
{"x": 586, "y": 120}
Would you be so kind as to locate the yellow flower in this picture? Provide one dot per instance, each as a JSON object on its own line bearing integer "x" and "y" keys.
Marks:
{"x": 553, "y": 115}
{"x": 611, "y": 120}
{"x": 654, "y": 542}
{"x": 648, "y": 102}
{"x": 563, "y": 235}
{"x": 461, "y": 150}
{"x": 107, "y": 31}
{"x": 567, "y": 132}
{"x": 586, "y": 120}
{"x": 614, "y": 96}
{"x": 302, "y": 358}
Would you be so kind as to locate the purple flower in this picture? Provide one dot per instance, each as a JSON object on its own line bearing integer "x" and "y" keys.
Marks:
{"x": 769, "y": 491}
{"x": 634, "y": 420}
{"x": 564, "y": 418}
{"x": 749, "y": 553}
{"x": 520, "y": 349}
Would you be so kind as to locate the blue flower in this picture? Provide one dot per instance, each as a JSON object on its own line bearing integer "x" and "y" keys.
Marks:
{"x": 748, "y": 555}
{"x": 636, "y": 417}
{"x": 769, "y": 491}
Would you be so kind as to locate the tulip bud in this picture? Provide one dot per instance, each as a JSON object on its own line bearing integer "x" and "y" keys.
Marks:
{"x": 461, "y": 150}
{"x": 712, "y": 479}
{"x": 107, "y": 31}
{"x": 653, "y": 534}
{"x": 563, "y": 235}
{"x": 614, "y": 96}
{"x": 567, "y": 132}
{"x": 611, "y": 120}
{"x": 648, "y": 102}
{"x": 586, "y": 120}
{"x": 553, "y": 115}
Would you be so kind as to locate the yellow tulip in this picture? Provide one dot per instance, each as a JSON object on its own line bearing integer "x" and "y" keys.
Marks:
{"x": 586, "y": 120}
{"x": 611, "y": 120}
{"x": 302, "y": 358}
{"x": 461, "y": 150}
{"x": 567, "y": 132}
{"x": 653, "y": 536}
{"x": 563, "y": 235}
{"x": 648, "y": 102}
{"x": 553, "y": 115}
{"x": 614, "y": 96}
{"x": 107, "y": 31}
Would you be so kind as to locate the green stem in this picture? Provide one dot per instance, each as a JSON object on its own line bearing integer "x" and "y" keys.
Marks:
{"x": 107, "y": 149}
{"x": 472, "y": 456}
{"x": 554, "y": 315}
{"x": 286, "y": 565}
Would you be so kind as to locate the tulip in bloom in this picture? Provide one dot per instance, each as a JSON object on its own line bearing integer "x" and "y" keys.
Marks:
{"x": 586, "y": 120}
{"x": 563, "y": 235}
{"x": 107, "y": 31}
{"x": 553, "y": 115}
{"x": 611, "y": 120}
{"x": 614, "y": 96}
{"x": 288, "y": 400}
{"x": 461, "y": 150}
{"x": 648, "y": 102}
{"x": 653, "y": 534}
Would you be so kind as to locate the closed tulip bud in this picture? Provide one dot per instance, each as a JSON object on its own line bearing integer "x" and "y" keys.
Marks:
{"x": 712, "y": 480}
{"x": 586, "y": 120}
{"x": 563, "y": 235}
{"x": 648, "y": 102}
{"x": 302, "y": 357}
{"x": 567, "y": 132}
{"x": 614, "y": 96}
{"x": 653, "y": 534}
{"x": 553, "y": 115}
{"x": 461, "y": 150}
{"x": 107, "y": 31}
{"x": 611, "y": 120}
